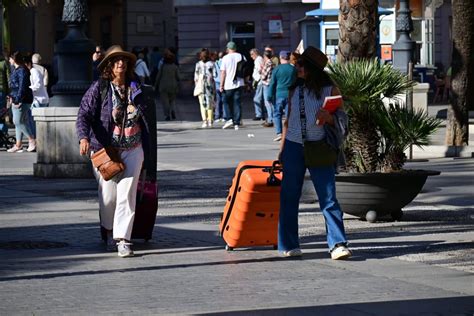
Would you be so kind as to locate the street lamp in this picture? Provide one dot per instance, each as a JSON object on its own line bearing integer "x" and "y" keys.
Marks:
{"x": 74, "y": 57}
{"x": 403, "y": 48}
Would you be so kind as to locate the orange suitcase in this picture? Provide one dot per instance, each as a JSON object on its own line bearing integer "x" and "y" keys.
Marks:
{"x": 250, "y": 215}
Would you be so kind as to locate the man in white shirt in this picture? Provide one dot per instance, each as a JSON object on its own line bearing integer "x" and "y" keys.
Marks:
{"x": 257, "y": 84}
{"x": 36, "y": 59}
{"x": 141, "y": 69}
{"x": 231, "y": 85}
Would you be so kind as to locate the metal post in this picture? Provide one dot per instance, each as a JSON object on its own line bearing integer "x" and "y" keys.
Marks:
{"x": 404, "y": 46}
{"x": 74, "y": 57}
{"x": 409, "y": 102}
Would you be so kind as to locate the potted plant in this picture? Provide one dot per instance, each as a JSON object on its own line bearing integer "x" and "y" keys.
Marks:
{"x": 374, "y": 182}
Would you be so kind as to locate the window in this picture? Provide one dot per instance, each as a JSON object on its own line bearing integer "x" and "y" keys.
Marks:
{"x": 243, "y": 34}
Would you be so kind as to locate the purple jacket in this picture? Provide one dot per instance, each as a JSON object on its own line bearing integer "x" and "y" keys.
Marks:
{"x": 94, "y": 119}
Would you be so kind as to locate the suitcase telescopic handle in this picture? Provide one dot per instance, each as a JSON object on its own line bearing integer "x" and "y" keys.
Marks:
{"x": 275, "y": 169}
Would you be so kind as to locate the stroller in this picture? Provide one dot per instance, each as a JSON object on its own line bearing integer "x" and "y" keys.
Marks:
{"x": 5, "y": 140}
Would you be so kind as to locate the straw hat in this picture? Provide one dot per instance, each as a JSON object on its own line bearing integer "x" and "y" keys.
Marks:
{"x": 315, "y": 57}
{"x": 114, "y": 51}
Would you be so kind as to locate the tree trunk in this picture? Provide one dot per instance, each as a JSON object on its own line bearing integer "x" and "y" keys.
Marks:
{"x": 462, "y": 78}
{"x": 357, "y": 29}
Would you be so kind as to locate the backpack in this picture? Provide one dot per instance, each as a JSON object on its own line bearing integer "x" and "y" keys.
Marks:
{"x": 241, "y": 70}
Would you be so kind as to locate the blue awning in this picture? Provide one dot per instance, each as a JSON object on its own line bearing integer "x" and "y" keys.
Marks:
{"x": 335, "y": 12}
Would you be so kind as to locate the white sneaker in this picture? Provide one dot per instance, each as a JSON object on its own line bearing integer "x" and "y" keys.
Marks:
{"x": 31, "y": 146}
{"x": 124, "y": 249}
{"x": 292, "y": 253}
{"x": 227, "y": 124}
{"x": 340, "y": 252}
{"x": 204, "y": 124}
{"x": 15, "y": 149}
{"x": 278, "y": 138}
{"x": 209, "y": 124}
{"x": 236, "y": 127}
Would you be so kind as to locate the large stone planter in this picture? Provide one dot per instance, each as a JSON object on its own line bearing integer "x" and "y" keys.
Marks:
{"x": 375, "y": 195}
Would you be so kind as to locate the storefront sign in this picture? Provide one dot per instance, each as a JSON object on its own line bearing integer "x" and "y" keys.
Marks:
{"x": 275, "y": 26}
{"x": 386, "y": 52}
{"x": 387, "y": 31}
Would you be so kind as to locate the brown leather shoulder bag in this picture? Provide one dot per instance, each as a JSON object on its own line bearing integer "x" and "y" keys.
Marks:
{"x": 108, "y": 162}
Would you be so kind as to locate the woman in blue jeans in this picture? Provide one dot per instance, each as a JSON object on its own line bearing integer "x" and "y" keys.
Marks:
{"x": 307, "y": 121}
{"x": 21, "y": 98}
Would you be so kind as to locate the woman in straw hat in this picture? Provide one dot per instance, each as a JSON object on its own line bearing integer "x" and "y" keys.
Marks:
{"x": 308, "y": 125}
{"x": 112, "y": 114}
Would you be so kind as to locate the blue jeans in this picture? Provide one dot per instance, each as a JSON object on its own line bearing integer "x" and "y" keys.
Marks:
{"x": 258, "y": 101}
{"x": 268, "y": 104}
{"x": 21, "y": 119}
{"x": 220, "y": 108}
{"x": 233, "y": 104}
{"x": 280, "y": 106}
{"x": 324, "y": 182}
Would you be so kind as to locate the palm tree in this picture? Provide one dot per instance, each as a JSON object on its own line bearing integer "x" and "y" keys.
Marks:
{"x": 357, "y": 29}
{"x": 462, "y": 85}
{"x": 378, "y": 135}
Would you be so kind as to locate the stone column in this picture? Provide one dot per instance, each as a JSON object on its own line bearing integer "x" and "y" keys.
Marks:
{"x": 404, "y": 46}
{"x": 58, "y": 148}
{"x": 57, "y": 144}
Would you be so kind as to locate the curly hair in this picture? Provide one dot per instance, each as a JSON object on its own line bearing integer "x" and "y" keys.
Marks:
{"x": 107, "y": 70}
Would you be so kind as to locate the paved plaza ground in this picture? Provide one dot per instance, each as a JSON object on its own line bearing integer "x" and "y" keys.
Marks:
{"x": 53, "y": 262}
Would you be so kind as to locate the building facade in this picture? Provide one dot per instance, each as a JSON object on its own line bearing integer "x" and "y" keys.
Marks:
{"x": 212, "y": 23}
{"x": 130, "y": 23}
{"x": 432, "y": 22}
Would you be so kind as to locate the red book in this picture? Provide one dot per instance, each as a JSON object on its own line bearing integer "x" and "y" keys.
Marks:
{"x": 332, "y": 103}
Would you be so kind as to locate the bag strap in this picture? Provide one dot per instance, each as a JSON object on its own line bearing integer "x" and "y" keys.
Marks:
{"x": 302, "y": 112}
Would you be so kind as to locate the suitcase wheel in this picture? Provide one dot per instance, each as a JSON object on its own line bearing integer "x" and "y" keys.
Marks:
{"x": 228, "y": 248}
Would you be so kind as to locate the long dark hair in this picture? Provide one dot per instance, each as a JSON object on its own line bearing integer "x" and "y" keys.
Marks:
{"x": 18, "y": 58}
{"x": 315, "y": 78}
{"x": 107, "y": 71}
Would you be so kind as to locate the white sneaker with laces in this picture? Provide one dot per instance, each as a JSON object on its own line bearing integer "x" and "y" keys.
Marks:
{"x": 292, "y": 253}
{"x": 227, "y": 124}
{"x": 31, "y": 146}
{"x": 124, "y": 249}
{"x": 15, "y": 149}
{"x": 340, "y": 252}
{"x": 236, "y": 127}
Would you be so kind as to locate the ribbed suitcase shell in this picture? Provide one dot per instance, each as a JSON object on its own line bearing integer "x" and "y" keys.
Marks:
{"x": 250, "y": 215}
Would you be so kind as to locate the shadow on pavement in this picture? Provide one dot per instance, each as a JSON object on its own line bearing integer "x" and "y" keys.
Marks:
{"x": 463, "y": 305}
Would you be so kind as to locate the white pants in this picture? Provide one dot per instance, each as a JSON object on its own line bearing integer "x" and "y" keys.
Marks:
{"x": 117, "y": 197}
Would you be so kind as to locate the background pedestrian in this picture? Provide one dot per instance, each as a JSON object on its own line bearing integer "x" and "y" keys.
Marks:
{"x": 167, "y": 83}
{"x": 21, "y": 98}
{"x": 205, "y": 85}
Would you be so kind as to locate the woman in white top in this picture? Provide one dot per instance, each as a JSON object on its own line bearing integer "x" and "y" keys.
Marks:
{"x": 306, "y": 122}
{"x": 40, "y": 93}
{"x": 204, "y": 78}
